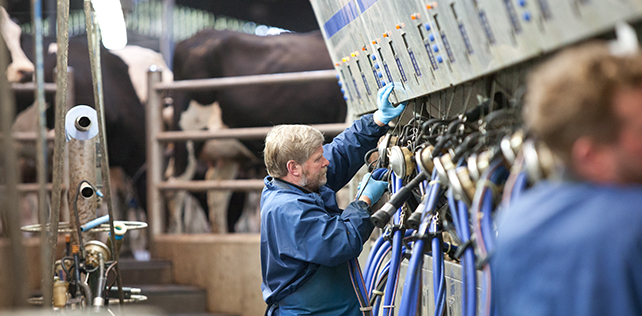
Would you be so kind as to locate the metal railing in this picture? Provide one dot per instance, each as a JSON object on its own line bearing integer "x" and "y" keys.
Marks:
{"x": 155, "y": 135}
{"x": 32, "y": 137}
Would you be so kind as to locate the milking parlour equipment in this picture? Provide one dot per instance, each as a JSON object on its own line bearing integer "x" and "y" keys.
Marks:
{"x": 460, "y": 153}
{"x": 87, "y": 277}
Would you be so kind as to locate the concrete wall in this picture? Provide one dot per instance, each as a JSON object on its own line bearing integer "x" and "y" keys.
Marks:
{"x": 32, "y": 266}
{"x": 227, "y": 266}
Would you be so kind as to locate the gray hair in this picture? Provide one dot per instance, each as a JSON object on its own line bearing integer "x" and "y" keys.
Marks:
{"x": 289, "y": 142}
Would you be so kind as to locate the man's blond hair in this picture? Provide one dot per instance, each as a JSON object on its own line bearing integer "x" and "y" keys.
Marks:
{"x": 572, "y": 95}
{"x": 289, "y": 142}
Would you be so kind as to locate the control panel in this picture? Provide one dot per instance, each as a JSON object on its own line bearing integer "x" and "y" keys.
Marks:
{"x": 428, "y": 46}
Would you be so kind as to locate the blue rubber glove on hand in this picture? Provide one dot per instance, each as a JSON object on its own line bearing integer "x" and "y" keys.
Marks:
{"x": 372, "y": 188}
{"x": 386, "y": 111}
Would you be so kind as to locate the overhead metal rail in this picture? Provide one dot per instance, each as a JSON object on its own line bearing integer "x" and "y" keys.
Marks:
{"x": 242, "y": 81}
{"x": 155, "y": 135}
{"x": 238, "y": 133}
{"x": 31, "y": 86}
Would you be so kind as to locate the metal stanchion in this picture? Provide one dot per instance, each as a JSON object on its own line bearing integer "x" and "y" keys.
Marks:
{"x": 59, "y": 143}
{"x": 154, "y": 153}
{"x": 93, "y": 39}
{"x": 9, "y": 198}
{"x": 41, "y": 144}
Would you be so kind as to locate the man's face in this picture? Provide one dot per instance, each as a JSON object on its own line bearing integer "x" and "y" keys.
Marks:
{"x": 627, "y": 150}
{"x": 314, "y": 171}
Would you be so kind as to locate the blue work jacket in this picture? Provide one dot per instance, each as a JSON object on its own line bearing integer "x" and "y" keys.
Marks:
{"x": 306, "y": 240}
{"x": 570, "y": 248}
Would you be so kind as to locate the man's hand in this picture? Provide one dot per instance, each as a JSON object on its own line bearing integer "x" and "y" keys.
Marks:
{"x": 386, "y": 111}
{"x": 371, "y": 189}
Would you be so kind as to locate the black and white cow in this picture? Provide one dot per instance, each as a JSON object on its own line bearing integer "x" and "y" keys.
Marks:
{"x": 124, "y": 113}
{"x": 215, "y": 54}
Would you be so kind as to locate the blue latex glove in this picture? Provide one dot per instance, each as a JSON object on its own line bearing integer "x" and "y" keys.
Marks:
{"x": 372, "y": 188}
{"x": 386, "y": 111}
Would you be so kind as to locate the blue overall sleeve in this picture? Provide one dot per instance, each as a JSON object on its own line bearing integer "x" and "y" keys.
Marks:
{"x": 318, "y": 237}
{"x": 346, "y": 151}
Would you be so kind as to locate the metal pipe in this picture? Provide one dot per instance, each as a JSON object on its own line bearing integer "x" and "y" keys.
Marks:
{"x": 27, "y": 137}
{"x": 239, "y": 133}
{"x": 62, "y": 55}
{"x": 82, "y": 167}
{"x": 167, "y": 37}
{"x": 9, "y": 196}
{"x": 93, "y": 40}
{"x": 221, "y": 83}
{"x": 30, "y": 86}
{"x": 205, "y": 185}
{"x": 41, "y": 143}
{"x": 154, "y": 153}
{"x": 99, "y": 301}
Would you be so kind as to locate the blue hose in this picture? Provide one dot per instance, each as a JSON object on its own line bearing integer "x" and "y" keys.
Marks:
{"x": 373, "y": 251}
{"x": 408, "y": 305}
{"x": 371, "y": 273}
{"x": 395, "y": 260}
{"x": 391, "y": 285}
{"x": 440, "y": 297}
{"x": 377, "y": 174}
{"x": 469, "y": 295}
{"x": 520, "y": 185}
{"x": 486, "y": 221}
{"x": 452, "y": 205}
{"x": 412, "y": 279}
{"x": 384, "y": 272}
{"x": 94, "y": 223}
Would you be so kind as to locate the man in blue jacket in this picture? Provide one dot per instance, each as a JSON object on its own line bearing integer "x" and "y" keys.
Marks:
{"x": 306, "y": 240}
{"x": 574, "y": 246}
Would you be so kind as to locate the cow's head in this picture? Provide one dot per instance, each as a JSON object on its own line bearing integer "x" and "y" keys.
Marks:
{"x": 20, "y": 69}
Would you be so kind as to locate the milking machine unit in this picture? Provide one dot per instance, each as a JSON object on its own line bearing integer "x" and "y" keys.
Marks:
{"x": 85, "y": 276}
{"x": 459, "y": 154}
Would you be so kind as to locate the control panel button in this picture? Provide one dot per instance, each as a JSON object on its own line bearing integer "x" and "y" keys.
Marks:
{"x": 435, "y": 48}
{"x": 376, "y": 65}
{"x": 440, "y": 59}
{"x": 427, "y": 26}
{"x": 431, "y": 37}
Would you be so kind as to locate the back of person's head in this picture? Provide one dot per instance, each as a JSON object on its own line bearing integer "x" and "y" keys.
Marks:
{"x": 289, "y": 142}
{"x": 571, "y": 96}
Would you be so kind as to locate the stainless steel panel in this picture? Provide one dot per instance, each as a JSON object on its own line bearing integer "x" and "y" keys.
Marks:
{"x": 429, "y": 46}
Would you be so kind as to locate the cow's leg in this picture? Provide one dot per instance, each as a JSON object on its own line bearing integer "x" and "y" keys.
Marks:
{"x": 218, "y": 200}
{"x": 250, "y": 221}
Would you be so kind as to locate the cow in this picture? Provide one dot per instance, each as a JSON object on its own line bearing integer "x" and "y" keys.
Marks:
{"x": 124, "y": 112}
{"x": 215, "y": 54}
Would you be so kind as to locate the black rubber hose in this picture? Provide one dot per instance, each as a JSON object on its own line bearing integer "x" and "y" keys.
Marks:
{"x": 415, "y": 219}
{"x": 383, "y": 215}
{"x": 466, "y": 145}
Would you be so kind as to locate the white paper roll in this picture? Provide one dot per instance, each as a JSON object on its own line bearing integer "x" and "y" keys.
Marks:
{"x": 70, "y": 123}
